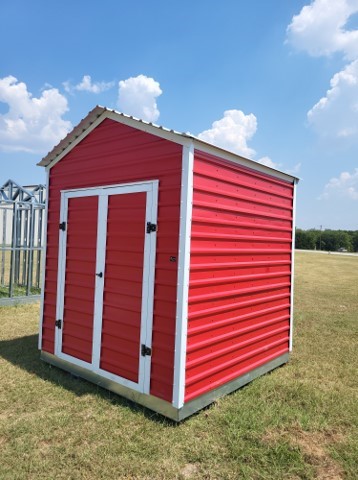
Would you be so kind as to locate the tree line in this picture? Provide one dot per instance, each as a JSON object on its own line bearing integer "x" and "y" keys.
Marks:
{"x": 329, "y": 240}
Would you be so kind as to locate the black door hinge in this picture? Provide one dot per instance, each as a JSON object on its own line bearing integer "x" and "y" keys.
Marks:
{"x": 145, "y": 350}
{"x": 58, "y": 324}
{"x": 151, "y": 227}
{"x": 63, "y": 226}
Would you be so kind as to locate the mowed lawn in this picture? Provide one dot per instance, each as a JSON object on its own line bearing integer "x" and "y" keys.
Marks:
{"x": 300, "y": 421}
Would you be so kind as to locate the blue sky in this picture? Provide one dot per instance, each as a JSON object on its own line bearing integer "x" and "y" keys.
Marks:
{"x": 276, "y": 81}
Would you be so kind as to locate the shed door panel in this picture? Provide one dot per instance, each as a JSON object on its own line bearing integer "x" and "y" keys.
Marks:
{"x": 80, "y": 277}
{"x": 122, "y": 296}
{"x": 105, "y": 286}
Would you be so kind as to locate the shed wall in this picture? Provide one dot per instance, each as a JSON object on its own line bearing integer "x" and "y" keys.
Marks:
{"x": 240, "y": 272}
{"x": 112, "y": 154}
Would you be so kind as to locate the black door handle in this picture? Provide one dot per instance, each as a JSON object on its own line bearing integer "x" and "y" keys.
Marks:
{"x": 100, "y": 274}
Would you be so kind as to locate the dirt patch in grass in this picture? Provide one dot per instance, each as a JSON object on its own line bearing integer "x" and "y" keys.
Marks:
{"x": 315, "y": 448}
{"x": 189, "y": 471}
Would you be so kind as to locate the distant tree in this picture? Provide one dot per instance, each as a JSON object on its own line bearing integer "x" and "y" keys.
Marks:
{"x": 313, "y": 236}
{"x": 330, "y": 240}
{"x": 305, "y": 239}
{"x": 344, "y": 240}
{"x": 354, "y": 240}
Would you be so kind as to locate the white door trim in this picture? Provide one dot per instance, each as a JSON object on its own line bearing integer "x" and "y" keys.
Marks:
{"x": 99, "y": 285}
{"x": 103, "y": 193}
{"x": 148, "y": 283}
{"x": 61, "y": 269}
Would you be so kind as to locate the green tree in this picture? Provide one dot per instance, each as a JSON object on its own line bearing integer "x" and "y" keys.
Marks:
{"x": 332, "y": 240}
{"x": 305, "y": 239}
{"x": 354, "y": 240}
{"x": 329, "y": 240}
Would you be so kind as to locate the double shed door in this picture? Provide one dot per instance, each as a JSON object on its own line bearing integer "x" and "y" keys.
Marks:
{"x": 106, "y": 281}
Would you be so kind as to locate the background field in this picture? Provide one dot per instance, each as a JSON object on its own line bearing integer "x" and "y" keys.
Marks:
{"x": 300, "y": 421}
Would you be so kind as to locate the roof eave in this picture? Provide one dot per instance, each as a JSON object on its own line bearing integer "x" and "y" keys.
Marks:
{"x": 231, "y": 156}
{"x": 99, "y": 113}
{"x": 84, "y": 124}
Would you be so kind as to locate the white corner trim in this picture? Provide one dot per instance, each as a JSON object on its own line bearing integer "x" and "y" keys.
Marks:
{"x": 43, "y": 266}
{"x": 181, "y": 321}
{"x": 292, "y": 263}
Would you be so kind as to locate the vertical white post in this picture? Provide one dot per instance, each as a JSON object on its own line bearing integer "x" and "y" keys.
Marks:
{"x": 292, "y": 261}
{"x": 181, "y": 326}
{"x": 43, "y": 256}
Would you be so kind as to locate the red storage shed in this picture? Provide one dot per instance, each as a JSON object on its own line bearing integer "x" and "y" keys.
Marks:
{"x": 169, "y": 264}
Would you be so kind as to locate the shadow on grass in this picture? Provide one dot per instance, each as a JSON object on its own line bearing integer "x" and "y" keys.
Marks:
{"x": 23, "y": 353}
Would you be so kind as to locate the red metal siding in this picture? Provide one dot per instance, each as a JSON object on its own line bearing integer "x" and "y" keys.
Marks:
{"x": 80, "y": 277}
{"x": 240, "y": 272}
{"x": 122, "y": 296}
{"x": 111, "y": 154}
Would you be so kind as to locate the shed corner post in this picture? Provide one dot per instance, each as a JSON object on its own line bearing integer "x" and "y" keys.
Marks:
{"x": 295, "y": 182}
{"x": 181, "y": 320}
{"x": 43, "y": 256}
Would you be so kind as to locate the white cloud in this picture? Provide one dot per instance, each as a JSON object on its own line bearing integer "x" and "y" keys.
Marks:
{"x": 295, "y": 169}
{"x": 346, "y": 185}
{"x": 31, "y": 124}
{"x": 232, "y": 132}
{"x": 336, "y": 114}
{"x": 268, "y": 162}
{"x": 137, "y": 97}
{"x": 86, "y": 85}
{"x": 319, "y": 28}
{"x": 278, "y": 166}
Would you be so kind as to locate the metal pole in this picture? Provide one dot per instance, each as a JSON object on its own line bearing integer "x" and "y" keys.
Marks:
{"x": 39, "y": 244}
{"x": 13, "y": 251}
{"x": 31, "y": 251}
{"x": 17, "y": 244}
{"x": 25, "y": 241}
{"x": 3, "y": 258}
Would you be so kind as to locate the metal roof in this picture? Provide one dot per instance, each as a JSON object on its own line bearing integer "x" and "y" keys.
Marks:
{"x": 99, "y": 113}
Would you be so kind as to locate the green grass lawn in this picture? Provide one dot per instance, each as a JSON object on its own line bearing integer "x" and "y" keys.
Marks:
{"x": 19, "y": 289}
{"x": 298, "y": 422}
